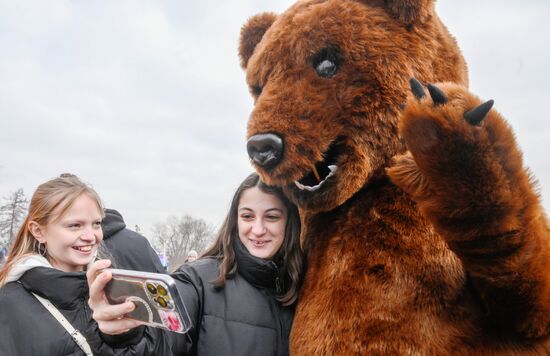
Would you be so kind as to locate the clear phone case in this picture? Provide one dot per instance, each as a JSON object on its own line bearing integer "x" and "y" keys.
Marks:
{"x": 155, "y": 295}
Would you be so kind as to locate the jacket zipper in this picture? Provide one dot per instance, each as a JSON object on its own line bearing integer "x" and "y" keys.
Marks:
{"x": 278, "y": 291}
{"x": 277, "y": 279}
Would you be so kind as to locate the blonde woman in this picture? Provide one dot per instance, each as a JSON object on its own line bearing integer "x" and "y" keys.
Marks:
{"x": 46, "y": 267}
{"x": 58, "y": 239}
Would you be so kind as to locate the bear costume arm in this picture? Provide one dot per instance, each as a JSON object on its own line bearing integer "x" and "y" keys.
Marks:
{"x": 468, "y": 178}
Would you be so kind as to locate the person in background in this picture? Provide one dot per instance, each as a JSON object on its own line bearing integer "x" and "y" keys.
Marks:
{"x": 240, "y": 295}
{"x": 128, "y": 249}
{"x": 191, "y": 256}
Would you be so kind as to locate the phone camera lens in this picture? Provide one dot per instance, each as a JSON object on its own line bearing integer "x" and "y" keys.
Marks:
{"x": 162, "y": 302}
{"x": 151, "y": 288}
{"x": 162, "y": 290}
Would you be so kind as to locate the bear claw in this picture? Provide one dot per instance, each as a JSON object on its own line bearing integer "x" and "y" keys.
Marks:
{"x": 416, "y": 88}
{"x": 477, "y": 114}
{"x": 437, "y": 95}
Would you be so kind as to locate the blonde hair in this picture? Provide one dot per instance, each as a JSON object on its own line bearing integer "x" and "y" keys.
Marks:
{"x": 48, "y": 204}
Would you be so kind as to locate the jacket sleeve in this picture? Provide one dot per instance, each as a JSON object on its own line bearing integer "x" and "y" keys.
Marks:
{"x": 8, "y": 333}
{"x": 191, "y": 289}
{"x": 142, "y": 341}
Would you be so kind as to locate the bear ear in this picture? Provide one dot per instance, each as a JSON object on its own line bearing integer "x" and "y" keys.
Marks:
{"x": 252, "y": 33}
{"x": 410, "y": 12}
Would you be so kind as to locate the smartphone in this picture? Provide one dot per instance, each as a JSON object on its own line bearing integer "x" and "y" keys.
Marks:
{"x": 155, "y": 295}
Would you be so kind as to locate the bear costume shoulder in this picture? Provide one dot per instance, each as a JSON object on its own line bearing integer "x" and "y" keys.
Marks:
{"x": 423, "y": 229}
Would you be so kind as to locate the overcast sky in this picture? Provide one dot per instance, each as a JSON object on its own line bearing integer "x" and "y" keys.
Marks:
{"x": 146, "y": 100}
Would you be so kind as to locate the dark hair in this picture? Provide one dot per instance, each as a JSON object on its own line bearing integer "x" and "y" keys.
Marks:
{"x": 290, "y": 254}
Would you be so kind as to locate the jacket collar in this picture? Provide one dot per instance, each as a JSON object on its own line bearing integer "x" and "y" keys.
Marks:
{"x": 25, "y": 264}
{"x": 65, "y": 290}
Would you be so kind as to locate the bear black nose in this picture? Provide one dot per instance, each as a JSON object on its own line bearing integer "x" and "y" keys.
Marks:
{"x": 265, "y": 150}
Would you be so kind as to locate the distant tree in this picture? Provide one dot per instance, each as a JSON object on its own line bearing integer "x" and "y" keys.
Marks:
{"x": 12, "y": 213}
{"x": 177, "y": 235}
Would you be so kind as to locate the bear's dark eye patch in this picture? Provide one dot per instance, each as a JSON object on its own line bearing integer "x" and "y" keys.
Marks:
{"x": 257, "y": 90}
{"x": 327, "y": 61}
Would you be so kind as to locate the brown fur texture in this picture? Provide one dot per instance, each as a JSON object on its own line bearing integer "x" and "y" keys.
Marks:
{"x": 429, "y": 239}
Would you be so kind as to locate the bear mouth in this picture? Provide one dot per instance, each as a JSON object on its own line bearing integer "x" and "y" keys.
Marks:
{"x": 321, "y": 171}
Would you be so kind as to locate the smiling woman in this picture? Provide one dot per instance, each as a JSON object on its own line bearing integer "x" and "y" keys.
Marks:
{"x": 63, "y": 226}
{"x": 261, "y": 222}
{"x": 71, "y": 241}
{"x": 240, "y": 294}
{"x": 45, "y": 267}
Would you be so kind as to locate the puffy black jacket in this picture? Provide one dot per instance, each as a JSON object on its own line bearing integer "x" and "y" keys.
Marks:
{"x": 243, "y": 318}
{"x": 27, "y": 328}
{"x": 128, "y": 249}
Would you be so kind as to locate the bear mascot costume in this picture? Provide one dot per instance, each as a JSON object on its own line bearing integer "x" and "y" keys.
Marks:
{"x": 423, "y": 230}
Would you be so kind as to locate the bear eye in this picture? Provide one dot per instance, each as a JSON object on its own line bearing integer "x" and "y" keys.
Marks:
{"x": 327, "y": 61}
{"x": 256, "y": 90}
{"x": 326, "y": 68}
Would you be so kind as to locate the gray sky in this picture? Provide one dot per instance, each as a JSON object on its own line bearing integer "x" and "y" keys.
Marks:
{"x": 146, "y": 100}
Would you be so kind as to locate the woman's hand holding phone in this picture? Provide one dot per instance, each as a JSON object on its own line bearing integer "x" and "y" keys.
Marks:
{"x": 110, "y": 318}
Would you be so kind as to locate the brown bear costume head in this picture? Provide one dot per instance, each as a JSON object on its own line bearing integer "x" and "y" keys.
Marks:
{"x": 330, "y": 79}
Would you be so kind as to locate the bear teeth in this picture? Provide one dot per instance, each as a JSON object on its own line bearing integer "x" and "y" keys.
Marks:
{"x": 300, "y": 186}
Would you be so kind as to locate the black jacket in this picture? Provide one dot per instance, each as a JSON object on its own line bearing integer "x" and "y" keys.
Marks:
{"x": 128, "y": 249}
{"x": 243, "y": 318}
{"x": 27, "y": 328}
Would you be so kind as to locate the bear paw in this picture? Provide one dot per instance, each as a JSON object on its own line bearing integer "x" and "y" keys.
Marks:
{"x": 434, "y": 122}
{"x": 461, "y": 152}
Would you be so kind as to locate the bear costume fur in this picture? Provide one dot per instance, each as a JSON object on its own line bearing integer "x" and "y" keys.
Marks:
{"x": 423, "y": 229}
